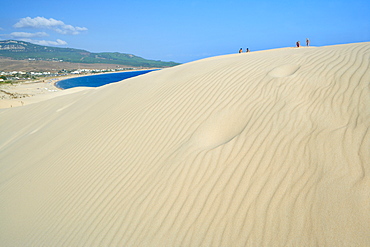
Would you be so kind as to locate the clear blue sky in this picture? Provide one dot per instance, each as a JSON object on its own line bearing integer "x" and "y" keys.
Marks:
{"x": 183, "y": 31}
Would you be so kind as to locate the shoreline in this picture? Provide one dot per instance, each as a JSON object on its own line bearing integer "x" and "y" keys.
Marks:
{"x": 26, "y": 92}
{"x": 101, "y": 73}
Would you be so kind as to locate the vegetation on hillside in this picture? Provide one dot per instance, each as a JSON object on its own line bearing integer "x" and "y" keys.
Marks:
{"x": 23, "y": 50}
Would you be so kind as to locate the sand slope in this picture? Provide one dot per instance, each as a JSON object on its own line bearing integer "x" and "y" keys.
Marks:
{"x": 261, "y": 149}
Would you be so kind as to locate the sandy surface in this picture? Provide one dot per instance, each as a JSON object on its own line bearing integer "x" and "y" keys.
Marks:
{"x": 256, "y": 149}
{"x": 24, "y": 93}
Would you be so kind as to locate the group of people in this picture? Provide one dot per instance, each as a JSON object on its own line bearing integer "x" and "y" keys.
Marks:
{"x": 298, "y": 44}
{"x": 246, "y": 50}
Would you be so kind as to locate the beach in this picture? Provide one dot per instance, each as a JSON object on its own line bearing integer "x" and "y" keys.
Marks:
{"x": 266, "y": 148}
{"x": 27, "y": 92}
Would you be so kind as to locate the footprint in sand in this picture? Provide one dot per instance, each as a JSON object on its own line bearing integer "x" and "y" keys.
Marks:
{"x": 218, "y": 129}
{"x": 284, "y": 70}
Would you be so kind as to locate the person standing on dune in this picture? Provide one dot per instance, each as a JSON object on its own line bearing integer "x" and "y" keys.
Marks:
{"x": 307, "y": 42}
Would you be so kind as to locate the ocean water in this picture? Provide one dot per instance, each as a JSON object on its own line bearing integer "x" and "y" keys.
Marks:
{"x": 98, "y": 80}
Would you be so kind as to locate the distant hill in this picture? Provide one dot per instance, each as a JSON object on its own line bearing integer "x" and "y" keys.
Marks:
{"x": 20, "y": 50}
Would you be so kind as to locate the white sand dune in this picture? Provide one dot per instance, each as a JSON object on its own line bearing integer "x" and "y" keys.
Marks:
{"x": 265, "y": 148}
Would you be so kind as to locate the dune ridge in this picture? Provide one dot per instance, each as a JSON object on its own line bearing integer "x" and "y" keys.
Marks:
{"x": 257, "y": 149}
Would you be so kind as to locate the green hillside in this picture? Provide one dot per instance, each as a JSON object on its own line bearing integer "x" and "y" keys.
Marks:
{"x": 23, "y": 50}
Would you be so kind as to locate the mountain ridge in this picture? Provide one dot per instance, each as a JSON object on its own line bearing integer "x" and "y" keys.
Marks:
{"x": 20, "y": 50}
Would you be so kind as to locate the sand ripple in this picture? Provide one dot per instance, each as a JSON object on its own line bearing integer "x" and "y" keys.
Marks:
{"x": 260, "y": 149}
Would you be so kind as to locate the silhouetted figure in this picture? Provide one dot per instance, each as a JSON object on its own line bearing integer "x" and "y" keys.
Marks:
{"x": 307, "y": 42}
{"x": 247, "y": 50}
{"x": 241, "y": 50}
{"x": 298, "y": 44}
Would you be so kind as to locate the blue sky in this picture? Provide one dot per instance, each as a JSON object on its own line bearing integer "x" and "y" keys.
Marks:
{"x": 184, "y": 31}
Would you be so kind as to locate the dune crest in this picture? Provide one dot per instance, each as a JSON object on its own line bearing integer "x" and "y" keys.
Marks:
{"x": 256, "y": 149}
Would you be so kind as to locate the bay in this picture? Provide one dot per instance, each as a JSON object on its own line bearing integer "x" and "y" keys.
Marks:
{"x": 98, "y": 80}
